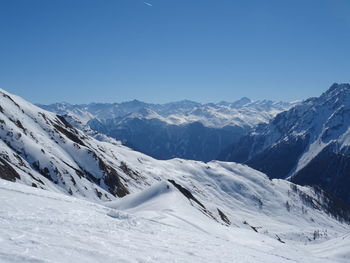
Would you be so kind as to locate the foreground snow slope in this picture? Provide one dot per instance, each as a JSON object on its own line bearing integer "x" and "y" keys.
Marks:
{"x": 41, "y": 226}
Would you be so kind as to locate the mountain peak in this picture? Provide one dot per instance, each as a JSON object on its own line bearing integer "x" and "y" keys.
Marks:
{"x": 241, "y": 102}
{"x": 337, "y": 88}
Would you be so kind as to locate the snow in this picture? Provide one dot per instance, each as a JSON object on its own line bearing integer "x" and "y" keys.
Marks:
{"x": 40, "y": 143}
{"x": 41, "y": 226}
{"x": 328, "y": 122}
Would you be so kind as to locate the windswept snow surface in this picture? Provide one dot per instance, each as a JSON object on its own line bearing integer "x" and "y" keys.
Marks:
{"x": 42, "y": 226}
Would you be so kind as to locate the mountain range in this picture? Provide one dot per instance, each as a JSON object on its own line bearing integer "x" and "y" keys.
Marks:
{"x": 183, "y": 129}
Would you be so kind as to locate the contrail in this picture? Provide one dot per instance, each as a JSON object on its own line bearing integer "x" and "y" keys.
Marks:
{"x": 147, "y": 4}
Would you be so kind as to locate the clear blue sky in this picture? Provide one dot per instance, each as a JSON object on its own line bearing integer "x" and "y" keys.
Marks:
{"x": 115, "y": 50}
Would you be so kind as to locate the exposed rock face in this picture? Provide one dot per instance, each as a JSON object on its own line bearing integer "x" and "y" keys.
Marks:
{"x": 7, "y": 172}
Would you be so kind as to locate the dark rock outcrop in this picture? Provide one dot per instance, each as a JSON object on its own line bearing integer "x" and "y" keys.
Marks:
{"x": 7, "y": 172}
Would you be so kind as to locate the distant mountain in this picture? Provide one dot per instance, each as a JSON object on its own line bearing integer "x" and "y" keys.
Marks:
{"x": 243, "y": 112}
{"x": 309, "y": 144}
{"x": 183, "y": 129}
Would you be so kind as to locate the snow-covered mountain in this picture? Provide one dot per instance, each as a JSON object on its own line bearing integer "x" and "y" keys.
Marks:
{"x": 243, "y": 112}
{"x": 183, "y": 129}
{"x": 178, "y": 210}
{"x": 309, "y": 144}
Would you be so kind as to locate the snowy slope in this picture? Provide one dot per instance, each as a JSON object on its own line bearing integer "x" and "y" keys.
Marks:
{"x": 183, "y": 208}
{"x": 308, "y": 143}
{"x": 41, "y": 226}
{"x": 41, "y": 149}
